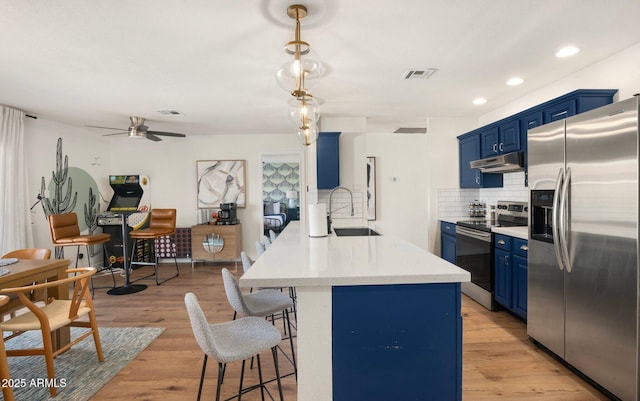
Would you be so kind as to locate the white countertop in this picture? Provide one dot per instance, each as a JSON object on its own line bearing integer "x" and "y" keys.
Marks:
{"x": 294, "y": 259}
{"x": 518, "y": 232}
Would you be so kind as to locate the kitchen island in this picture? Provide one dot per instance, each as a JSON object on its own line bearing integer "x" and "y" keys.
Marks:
{"x": 378, "y": 317}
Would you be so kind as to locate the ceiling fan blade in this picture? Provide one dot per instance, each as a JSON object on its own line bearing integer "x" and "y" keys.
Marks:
{"x": 166, "y": 134}
{"x": 153, "y": 137}
{"x": 116, "y": 133}
{"x": 95, "y": 126}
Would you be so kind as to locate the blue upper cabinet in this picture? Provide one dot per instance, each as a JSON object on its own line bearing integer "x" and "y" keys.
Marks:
{"x": 510, "y": 134}
{"x": 328, "y": 160}
{"x": 499, "y": 139}
{"x": 469, "y": 150}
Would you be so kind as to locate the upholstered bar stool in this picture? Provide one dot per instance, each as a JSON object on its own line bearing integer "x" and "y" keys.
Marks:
{"x": 162, "y": 226}
{"x": 65, "y": 231}
{"x": 233, "y": 341}
{"x": 262, "y": 303}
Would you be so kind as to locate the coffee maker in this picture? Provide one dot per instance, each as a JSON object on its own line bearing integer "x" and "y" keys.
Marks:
{"x": 227, "y": 214}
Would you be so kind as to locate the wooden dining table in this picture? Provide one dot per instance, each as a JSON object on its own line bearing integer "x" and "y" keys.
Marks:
{"x": 28, "y": 271}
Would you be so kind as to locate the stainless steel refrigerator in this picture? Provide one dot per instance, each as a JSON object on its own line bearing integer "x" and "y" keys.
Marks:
{"x": 583, "y": 243}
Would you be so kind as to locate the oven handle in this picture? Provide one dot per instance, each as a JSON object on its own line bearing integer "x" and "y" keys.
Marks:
{"x": 479, "y": 235}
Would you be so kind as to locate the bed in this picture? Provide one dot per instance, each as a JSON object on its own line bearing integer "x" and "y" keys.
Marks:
{"x": 275, "y": 222}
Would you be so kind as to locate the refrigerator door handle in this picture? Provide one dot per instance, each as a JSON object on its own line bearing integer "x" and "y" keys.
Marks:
{"x": 564, "y": 220}
{"x": 555, "y": 218}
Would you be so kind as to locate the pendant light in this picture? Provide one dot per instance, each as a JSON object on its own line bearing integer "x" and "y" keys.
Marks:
{"x": 302, "y": 70}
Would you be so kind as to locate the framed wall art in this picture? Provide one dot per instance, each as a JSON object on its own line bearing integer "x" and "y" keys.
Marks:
{"x": 371, "y": 188}
{"x": 220, "y": 181}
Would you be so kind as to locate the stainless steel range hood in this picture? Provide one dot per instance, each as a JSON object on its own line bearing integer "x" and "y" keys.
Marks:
{"x": 505, "y": 163}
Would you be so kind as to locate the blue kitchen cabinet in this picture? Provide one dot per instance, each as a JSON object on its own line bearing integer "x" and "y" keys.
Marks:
{"x": 520, "y": 251}
{"x": 469, "y": 150}
{"x": 328, "y": 160}
{"x": 503, "y": 272}
{"x": 510, "y": 263}
{"x": 502, "y": 138}
{"x": 510, "y": 134}
{"x": 448, "y": 241}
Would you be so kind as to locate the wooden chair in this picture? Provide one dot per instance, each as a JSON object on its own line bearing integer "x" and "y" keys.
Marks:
{"x": 26, "y": 253}
{"x": 161, "y": 225}
{"x": 52, "y": 316}
{"x": 29, "y": 253}
{"x": 65, "y": 231}
{"x": 7, "y": 391}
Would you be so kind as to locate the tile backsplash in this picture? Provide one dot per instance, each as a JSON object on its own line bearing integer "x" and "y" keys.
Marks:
{"x": 341, "y": 204}
{"x": 454, "y": 202}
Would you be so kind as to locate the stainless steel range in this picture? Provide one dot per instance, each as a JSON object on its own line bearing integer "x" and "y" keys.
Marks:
{"x": 474, "y": 249}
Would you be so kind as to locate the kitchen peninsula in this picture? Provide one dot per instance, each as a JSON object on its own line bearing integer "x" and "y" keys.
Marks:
{"x": 378, "y": 317}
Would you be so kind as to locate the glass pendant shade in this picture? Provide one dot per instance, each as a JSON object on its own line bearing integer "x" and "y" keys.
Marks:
{"x": 304, "y": 109}
{"x": 300, "y": 71}
{"x": 307, "y": 134}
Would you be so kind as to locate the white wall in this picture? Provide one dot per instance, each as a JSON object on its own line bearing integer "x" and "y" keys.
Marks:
{"x": 401, "y": 187}
{"x": 170, "y": 166}
{"x": 84, "y": 150}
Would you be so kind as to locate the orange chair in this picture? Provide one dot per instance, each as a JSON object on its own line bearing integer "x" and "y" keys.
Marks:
{"x": 161, "y": 227}
{"x": 65, "y": 231}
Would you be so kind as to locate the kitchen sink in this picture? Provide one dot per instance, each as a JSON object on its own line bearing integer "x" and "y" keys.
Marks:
{"x": 355, "y": 232}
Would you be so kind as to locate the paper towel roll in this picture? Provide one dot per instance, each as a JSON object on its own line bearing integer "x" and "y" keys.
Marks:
{"x": 318, "y": 220}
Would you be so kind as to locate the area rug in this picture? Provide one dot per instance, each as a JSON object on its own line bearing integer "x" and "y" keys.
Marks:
{"x": 79, "y": 375}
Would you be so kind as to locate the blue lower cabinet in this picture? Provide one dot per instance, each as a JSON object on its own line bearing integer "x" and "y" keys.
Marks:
{"x": 510, "y": 263}
{"x": 448, "y": 242}
{"x": 397, "y": 342}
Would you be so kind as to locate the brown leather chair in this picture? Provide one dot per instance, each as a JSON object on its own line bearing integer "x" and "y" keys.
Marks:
{"x": 162, "y": 227}
{"x": 65, "y": 231}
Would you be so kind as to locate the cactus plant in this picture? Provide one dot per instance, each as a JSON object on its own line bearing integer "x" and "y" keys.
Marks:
{"x": 62, "y": 201}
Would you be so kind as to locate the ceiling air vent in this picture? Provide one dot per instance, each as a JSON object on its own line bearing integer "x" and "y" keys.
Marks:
{"x": 410, "y": 130}
{"x": 169, "y": 112}
{"x": 419, "y": 73}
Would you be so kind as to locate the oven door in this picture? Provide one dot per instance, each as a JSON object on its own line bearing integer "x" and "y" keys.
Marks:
{"x": 474, "y": 254}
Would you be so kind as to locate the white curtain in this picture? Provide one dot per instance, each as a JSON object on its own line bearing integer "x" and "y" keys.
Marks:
{"x": 15, "y": 221}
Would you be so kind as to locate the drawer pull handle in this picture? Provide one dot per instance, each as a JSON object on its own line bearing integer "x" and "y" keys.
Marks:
{"x": 524, "y": 248}
{"x": 501, "y": 242}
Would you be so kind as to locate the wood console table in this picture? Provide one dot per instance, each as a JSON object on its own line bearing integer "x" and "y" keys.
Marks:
{"x": 205, "y": 245}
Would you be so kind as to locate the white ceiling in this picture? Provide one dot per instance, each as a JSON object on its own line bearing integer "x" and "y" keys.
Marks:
{"x": 98, "y": 62}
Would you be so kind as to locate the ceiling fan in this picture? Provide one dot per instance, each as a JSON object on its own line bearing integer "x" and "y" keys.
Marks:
{"x": 137, "y": 129}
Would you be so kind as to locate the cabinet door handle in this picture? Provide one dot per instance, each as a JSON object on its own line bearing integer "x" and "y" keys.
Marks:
{"x": 495, "y": 148}
{"x": 506, "y": 260}
{"x": 524, "y": 248}
{"x": 501, "y": 147}
{"x": 447, "y": 228}
{"x": 477, "y": 180}
{"x": 501, "y": 242}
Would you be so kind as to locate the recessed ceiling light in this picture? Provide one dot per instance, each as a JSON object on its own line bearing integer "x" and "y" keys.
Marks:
{"x": 567, "y": 51}
{"x": 515, "y": 81}
{"x": 479, "y": 101}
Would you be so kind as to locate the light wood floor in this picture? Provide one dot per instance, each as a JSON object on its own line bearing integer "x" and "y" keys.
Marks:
{"x": 499, "y": 360}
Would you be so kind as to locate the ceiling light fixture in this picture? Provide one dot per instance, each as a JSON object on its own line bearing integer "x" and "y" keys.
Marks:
{"x": 567, "y": 51}
{"x": 515, "y": 81}
{"x": 297, "y": 75}
{"x": 479, "y": 101}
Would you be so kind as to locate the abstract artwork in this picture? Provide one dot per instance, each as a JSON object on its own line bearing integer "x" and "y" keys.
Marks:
{"x": 220, "y": 181}
{"x": 371, "y": 188}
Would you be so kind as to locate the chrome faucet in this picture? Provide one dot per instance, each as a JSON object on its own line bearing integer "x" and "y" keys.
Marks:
{"x": 330, "y": 201}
